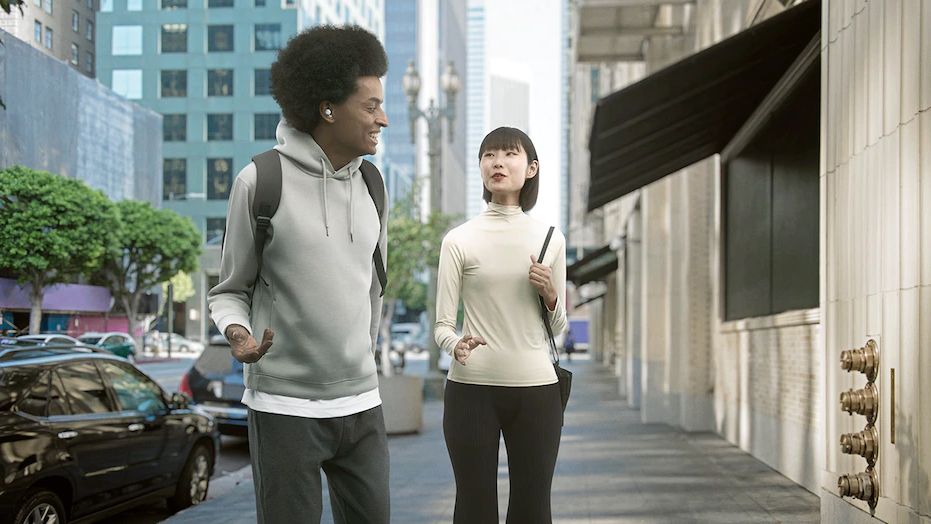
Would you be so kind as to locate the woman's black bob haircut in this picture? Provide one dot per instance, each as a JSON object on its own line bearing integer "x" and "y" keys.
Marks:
{"x": 323, "y": 63}
{"x": 507, "y": 139}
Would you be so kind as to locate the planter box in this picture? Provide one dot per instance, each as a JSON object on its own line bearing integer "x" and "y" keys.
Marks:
{"x": 402, "y": 403}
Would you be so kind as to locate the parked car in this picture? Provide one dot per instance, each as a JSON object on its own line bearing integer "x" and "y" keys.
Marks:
{"x": 85, "y": 434}
{"x": 403, "y": 336}
{"x": 51, "y": 338}
{"x": 215, "y": 383}
{"x": 120, "y": 344}
{"x": 159, "y": 341}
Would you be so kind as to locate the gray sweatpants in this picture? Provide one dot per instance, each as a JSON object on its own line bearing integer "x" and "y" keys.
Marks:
{"x": 288, "y": 453}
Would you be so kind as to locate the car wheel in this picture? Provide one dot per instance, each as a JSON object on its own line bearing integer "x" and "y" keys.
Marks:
{"x": 41, "y": 507}
{"x": 194, "y": 481}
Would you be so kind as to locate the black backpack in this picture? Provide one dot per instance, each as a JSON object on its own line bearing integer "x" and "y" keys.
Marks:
{"x": 268, "y": 195}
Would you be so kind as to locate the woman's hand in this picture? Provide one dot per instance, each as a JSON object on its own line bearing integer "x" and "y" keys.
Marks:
{"x": 541, "y": 277}
{"x": 465, "y": 346}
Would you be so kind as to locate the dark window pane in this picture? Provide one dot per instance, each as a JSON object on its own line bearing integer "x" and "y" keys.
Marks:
{"x": 174, "y": 179}
{"x": 174, "y": 4}
{"x": 265, "y": 125}
{"x": 260, "y": 3}
{"x": 747, "y": 252}
{"x": 771, "y": 206}
{"x": 134, "y": 392}
{"x": 219, "y": 82}
{"x": 174, "y": 128}
{"x": 263, "y": 82}
{"x": 174, "y": 38}
{"x": 216, "y": 226}
{"x": 219, "y": 178}
{"x": 58, "y": 403}
{"x": 220, "y": 3}
{"x": 174, "y": 82}
{"x": 220, "y": 127}
{"x": 267, "y": 37}
{"x": 219, "y": 38}
{"x": 85, "y": 388}
{"x": 35, "y": 402}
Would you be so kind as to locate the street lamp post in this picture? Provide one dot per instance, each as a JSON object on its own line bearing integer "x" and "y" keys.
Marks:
{"x": 433, "y": 115}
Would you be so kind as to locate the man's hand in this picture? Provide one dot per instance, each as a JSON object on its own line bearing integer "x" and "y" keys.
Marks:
{"x": 244, "y": 347}
{"x": 541, "y": 278}
{"x": 465, "y": 346}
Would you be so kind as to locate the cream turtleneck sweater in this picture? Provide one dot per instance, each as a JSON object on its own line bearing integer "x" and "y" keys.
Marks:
{"x": 486, "y": 263}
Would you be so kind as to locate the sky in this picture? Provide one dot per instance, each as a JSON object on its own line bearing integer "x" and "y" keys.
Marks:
{"x": 524, "y": 36}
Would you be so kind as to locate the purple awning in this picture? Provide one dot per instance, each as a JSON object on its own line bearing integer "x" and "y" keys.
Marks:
{"x": 76, "y": 298}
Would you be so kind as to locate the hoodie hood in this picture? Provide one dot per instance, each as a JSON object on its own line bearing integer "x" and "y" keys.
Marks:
{"x": 307, "y": 156}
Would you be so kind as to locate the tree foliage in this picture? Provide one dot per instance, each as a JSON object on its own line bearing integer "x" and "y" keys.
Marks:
{"x": 52, "y": 229}
{"x": 413, "y": 247}
{"x": 150, "y": 247}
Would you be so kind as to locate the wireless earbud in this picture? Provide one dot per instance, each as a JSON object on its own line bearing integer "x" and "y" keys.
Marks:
{"x": 328, "y": 112}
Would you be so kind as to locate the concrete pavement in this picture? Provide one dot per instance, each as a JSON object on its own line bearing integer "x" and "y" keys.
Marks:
{"x": 611, "y": 469}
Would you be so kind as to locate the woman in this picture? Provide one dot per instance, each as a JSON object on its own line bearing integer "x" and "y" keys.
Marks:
{"x": 501, "y": 379}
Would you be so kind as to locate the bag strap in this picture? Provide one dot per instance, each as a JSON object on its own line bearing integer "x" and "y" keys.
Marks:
{"x": 376, "y": 186}
{"x": 544, "y": 311}
{"x": 266, "y": 200}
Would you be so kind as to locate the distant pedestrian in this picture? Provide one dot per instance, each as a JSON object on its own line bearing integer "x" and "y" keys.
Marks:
{"x": 569, "y": 346}
{"x": 502, "y": 379}
{"x": 316, "y": 289}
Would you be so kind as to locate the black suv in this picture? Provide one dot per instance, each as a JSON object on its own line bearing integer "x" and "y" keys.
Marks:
{"x": 85, "y": 434}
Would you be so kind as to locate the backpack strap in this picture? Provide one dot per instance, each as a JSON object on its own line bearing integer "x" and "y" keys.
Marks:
{"x": 265, "y": 202}
{"x": 376, "y": 186}
{"x": 543, "y": 309}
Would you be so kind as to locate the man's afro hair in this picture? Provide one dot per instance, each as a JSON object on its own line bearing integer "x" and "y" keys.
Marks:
{"x": 323, "y": 63}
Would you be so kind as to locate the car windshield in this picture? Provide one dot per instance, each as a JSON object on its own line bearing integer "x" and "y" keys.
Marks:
{"x": 13, "y": 381}
{"x": 90, "y": 340}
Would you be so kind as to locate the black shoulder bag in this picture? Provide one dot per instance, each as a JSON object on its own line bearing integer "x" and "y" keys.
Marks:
{"x": 564, "y": 375}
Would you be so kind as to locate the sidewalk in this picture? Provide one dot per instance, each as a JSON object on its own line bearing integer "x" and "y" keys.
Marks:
{"x": 611, "y": 469}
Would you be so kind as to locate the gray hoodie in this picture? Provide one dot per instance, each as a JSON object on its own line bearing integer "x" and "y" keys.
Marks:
{"x": 318, "y": 290}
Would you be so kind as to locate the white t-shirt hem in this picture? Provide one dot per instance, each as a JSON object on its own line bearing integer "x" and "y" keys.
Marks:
{"x": 302, "y": 407}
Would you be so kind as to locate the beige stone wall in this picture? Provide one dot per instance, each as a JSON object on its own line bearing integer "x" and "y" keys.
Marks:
{"x": 876, "y": 254}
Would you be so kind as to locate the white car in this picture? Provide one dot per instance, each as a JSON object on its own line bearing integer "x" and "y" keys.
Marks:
{"x": 178, "y": 343}
{"x": 120, "y": 344}
{"x": 49, "y": 339}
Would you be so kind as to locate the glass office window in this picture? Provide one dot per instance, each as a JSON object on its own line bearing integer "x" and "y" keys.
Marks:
{"x": 267, "y": 37}
{"x": 174, "y": 4}
{"x": 216, "y": 226}
{"x": 262, "y": 82}
{"x": 219, "y": 38}
{"x": 174, "y": 83}
{"x": 128, "y": 83}
{"x": 89, "y": 62}
{"x": 48, "y": 6}
{"x": 174, "y": 38}
{"x": 134, "y": 5}
{"x": 174, "y": 179}
{"x": 75, "y": 21}
{"x": 75, "y": 54}
{"x": 219, "y": 178}
{"x": 127, "y": 40}
{"x": 106, "y": 6}
{"x": 220, "y": 127}
{"x": 219, "y": 82}
{"x": 174, "y": 128}
{"x": 89, "y": 30}
{"x": 264, "y": 125}
{"x": 49, "y": 38}
{"x": 37, "y": 27}
{"x": 220, "y": 3}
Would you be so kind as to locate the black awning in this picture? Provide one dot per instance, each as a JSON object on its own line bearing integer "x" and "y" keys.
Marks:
{"x": 593, "y": 266}
{"x": 690, "y": 110}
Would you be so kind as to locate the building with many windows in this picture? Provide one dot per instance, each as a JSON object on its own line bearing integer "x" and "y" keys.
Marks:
{"x": 65, "y": 30}
{"x": 401, "y": 39}
{"x": 205, "y": 65}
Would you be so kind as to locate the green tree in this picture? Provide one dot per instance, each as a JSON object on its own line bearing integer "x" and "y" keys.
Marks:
{"x": 413, "y": 247}
{"x": 53, "y": 230}
{"x": 150, "y": 247}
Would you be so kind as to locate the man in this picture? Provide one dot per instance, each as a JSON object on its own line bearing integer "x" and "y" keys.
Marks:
{"x": 313, "y": 394}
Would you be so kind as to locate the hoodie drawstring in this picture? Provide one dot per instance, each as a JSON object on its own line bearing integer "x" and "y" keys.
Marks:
{"x": 350, "y": 209}
{"x": 326, "y": 208}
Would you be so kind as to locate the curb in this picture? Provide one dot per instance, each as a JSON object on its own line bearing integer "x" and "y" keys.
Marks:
{"x": 228, "y": 482}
